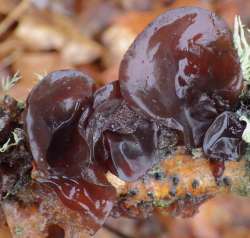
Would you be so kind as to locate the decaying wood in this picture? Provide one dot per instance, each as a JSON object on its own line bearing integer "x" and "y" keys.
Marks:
{"x": 177, "y": 185}
{"x": 181, "y": 182}
{"x": 4, "y": 229}
{"x": 35, "y": 209}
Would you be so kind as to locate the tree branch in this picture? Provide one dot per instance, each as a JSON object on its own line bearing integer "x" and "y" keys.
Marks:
{"x": 181, "y": 180}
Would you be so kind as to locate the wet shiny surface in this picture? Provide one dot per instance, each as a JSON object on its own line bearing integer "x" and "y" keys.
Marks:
{"x": 54, "y": 108}
{"x": 182, "y": 70}
{"x": 177, "y": 82}
{"x": 123, "y": 142}
{"x": 217, "y": 168}
{"x": 61, "y": 155}
{"x": 55, "y": 231}
{"x": 223, "y": 139}
{"x": 94, "y": 202}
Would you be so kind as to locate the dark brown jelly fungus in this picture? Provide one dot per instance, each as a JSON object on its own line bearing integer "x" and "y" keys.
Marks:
{"x": 93, "y": 201}
{"x": 61, "y": 155}
{"x": 182, "y": 70}
{"x": 55, "y": 231}
{"x": 108, "y": 94}
{"x": 120, "y": 140}
{"x": 217, "y": 167}
{"x": 223, "y": 139}
{"x": 54, "y": 107}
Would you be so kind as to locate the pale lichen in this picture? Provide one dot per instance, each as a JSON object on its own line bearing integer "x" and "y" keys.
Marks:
{"x": 243, "y": 50}
{"x": 242, "y": 47}
{"x": 40, "y": 76}
{"x": 9, "y": 82}
{"x": 246, "y": 133}
{"x": 8, "y": 144}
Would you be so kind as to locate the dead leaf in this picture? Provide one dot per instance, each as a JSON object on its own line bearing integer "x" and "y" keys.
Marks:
{"x": 38, "y": 35}
{"x": 30, "y": 65}
{"x": 56, "y": 32}
{"x": 80, "y": 51}
{"x": 228, "y": 9}
{"x": 110, "y": 75}
{"x": 7, "y": 5}
{"x": 119, "y": 36}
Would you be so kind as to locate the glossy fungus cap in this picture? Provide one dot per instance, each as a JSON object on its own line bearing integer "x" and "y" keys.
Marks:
{"x": 182, "y": 70}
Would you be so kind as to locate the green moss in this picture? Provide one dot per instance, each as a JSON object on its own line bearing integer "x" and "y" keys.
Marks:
{"x": 242, "y": 190}
{"x": 18, "y": 186}
{"x": 18, "y": 231}
{"x": 197, "y": 153}
{"x": 243, "y": 187}
{"x": 163, "y": 203}
{"x": 21, "y": 105}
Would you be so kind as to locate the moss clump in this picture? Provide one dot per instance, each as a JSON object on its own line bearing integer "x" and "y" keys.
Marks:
{"x": 243, "y": 186}
{"x": 162, "y": 203}
{"x": 18, "y": 231}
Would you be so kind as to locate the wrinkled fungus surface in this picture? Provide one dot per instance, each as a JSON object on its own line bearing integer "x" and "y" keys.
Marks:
{"x": 178, "y": 83}
{"x": 182, "y": 70}
{"x": 122, "y": 141}
{"x": 223, "y": 139}
{"x": 53, "y": 111}
{"x": 62, "y": 156}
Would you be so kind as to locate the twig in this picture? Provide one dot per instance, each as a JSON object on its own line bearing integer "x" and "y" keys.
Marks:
{"x": 14, "y": 15}
{"x": 8, "y": 60}
{"x": 178, "y": 177}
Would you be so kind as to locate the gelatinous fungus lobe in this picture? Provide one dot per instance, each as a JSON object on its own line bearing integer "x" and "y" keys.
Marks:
{"x": 122, "y": 141}
{"x": 182, "y": 73}
{"x": 182, "y": 70}
{"x": 61, "y": 155}
{"x": 223, "y": 139}
{"x": 53, "y": 110}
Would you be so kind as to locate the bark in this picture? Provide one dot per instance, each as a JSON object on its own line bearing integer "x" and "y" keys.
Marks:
{"x": 179, "y": 184}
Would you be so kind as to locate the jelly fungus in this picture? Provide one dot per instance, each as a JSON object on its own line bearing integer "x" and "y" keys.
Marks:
{"x": 123, "y": 142}
{"x": 61, "y": 155}
{"x": 53, "y": 110}
{"x": 182, "y": 70}
{"x": 177, "y": 83}
{"x": 223, "y": 139}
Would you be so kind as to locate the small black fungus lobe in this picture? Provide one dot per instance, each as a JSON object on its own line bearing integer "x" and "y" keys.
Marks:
{"x": 223, "y": 139}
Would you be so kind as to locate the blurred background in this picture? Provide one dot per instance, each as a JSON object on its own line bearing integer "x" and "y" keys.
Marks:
{"x": 39, "y": 36}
